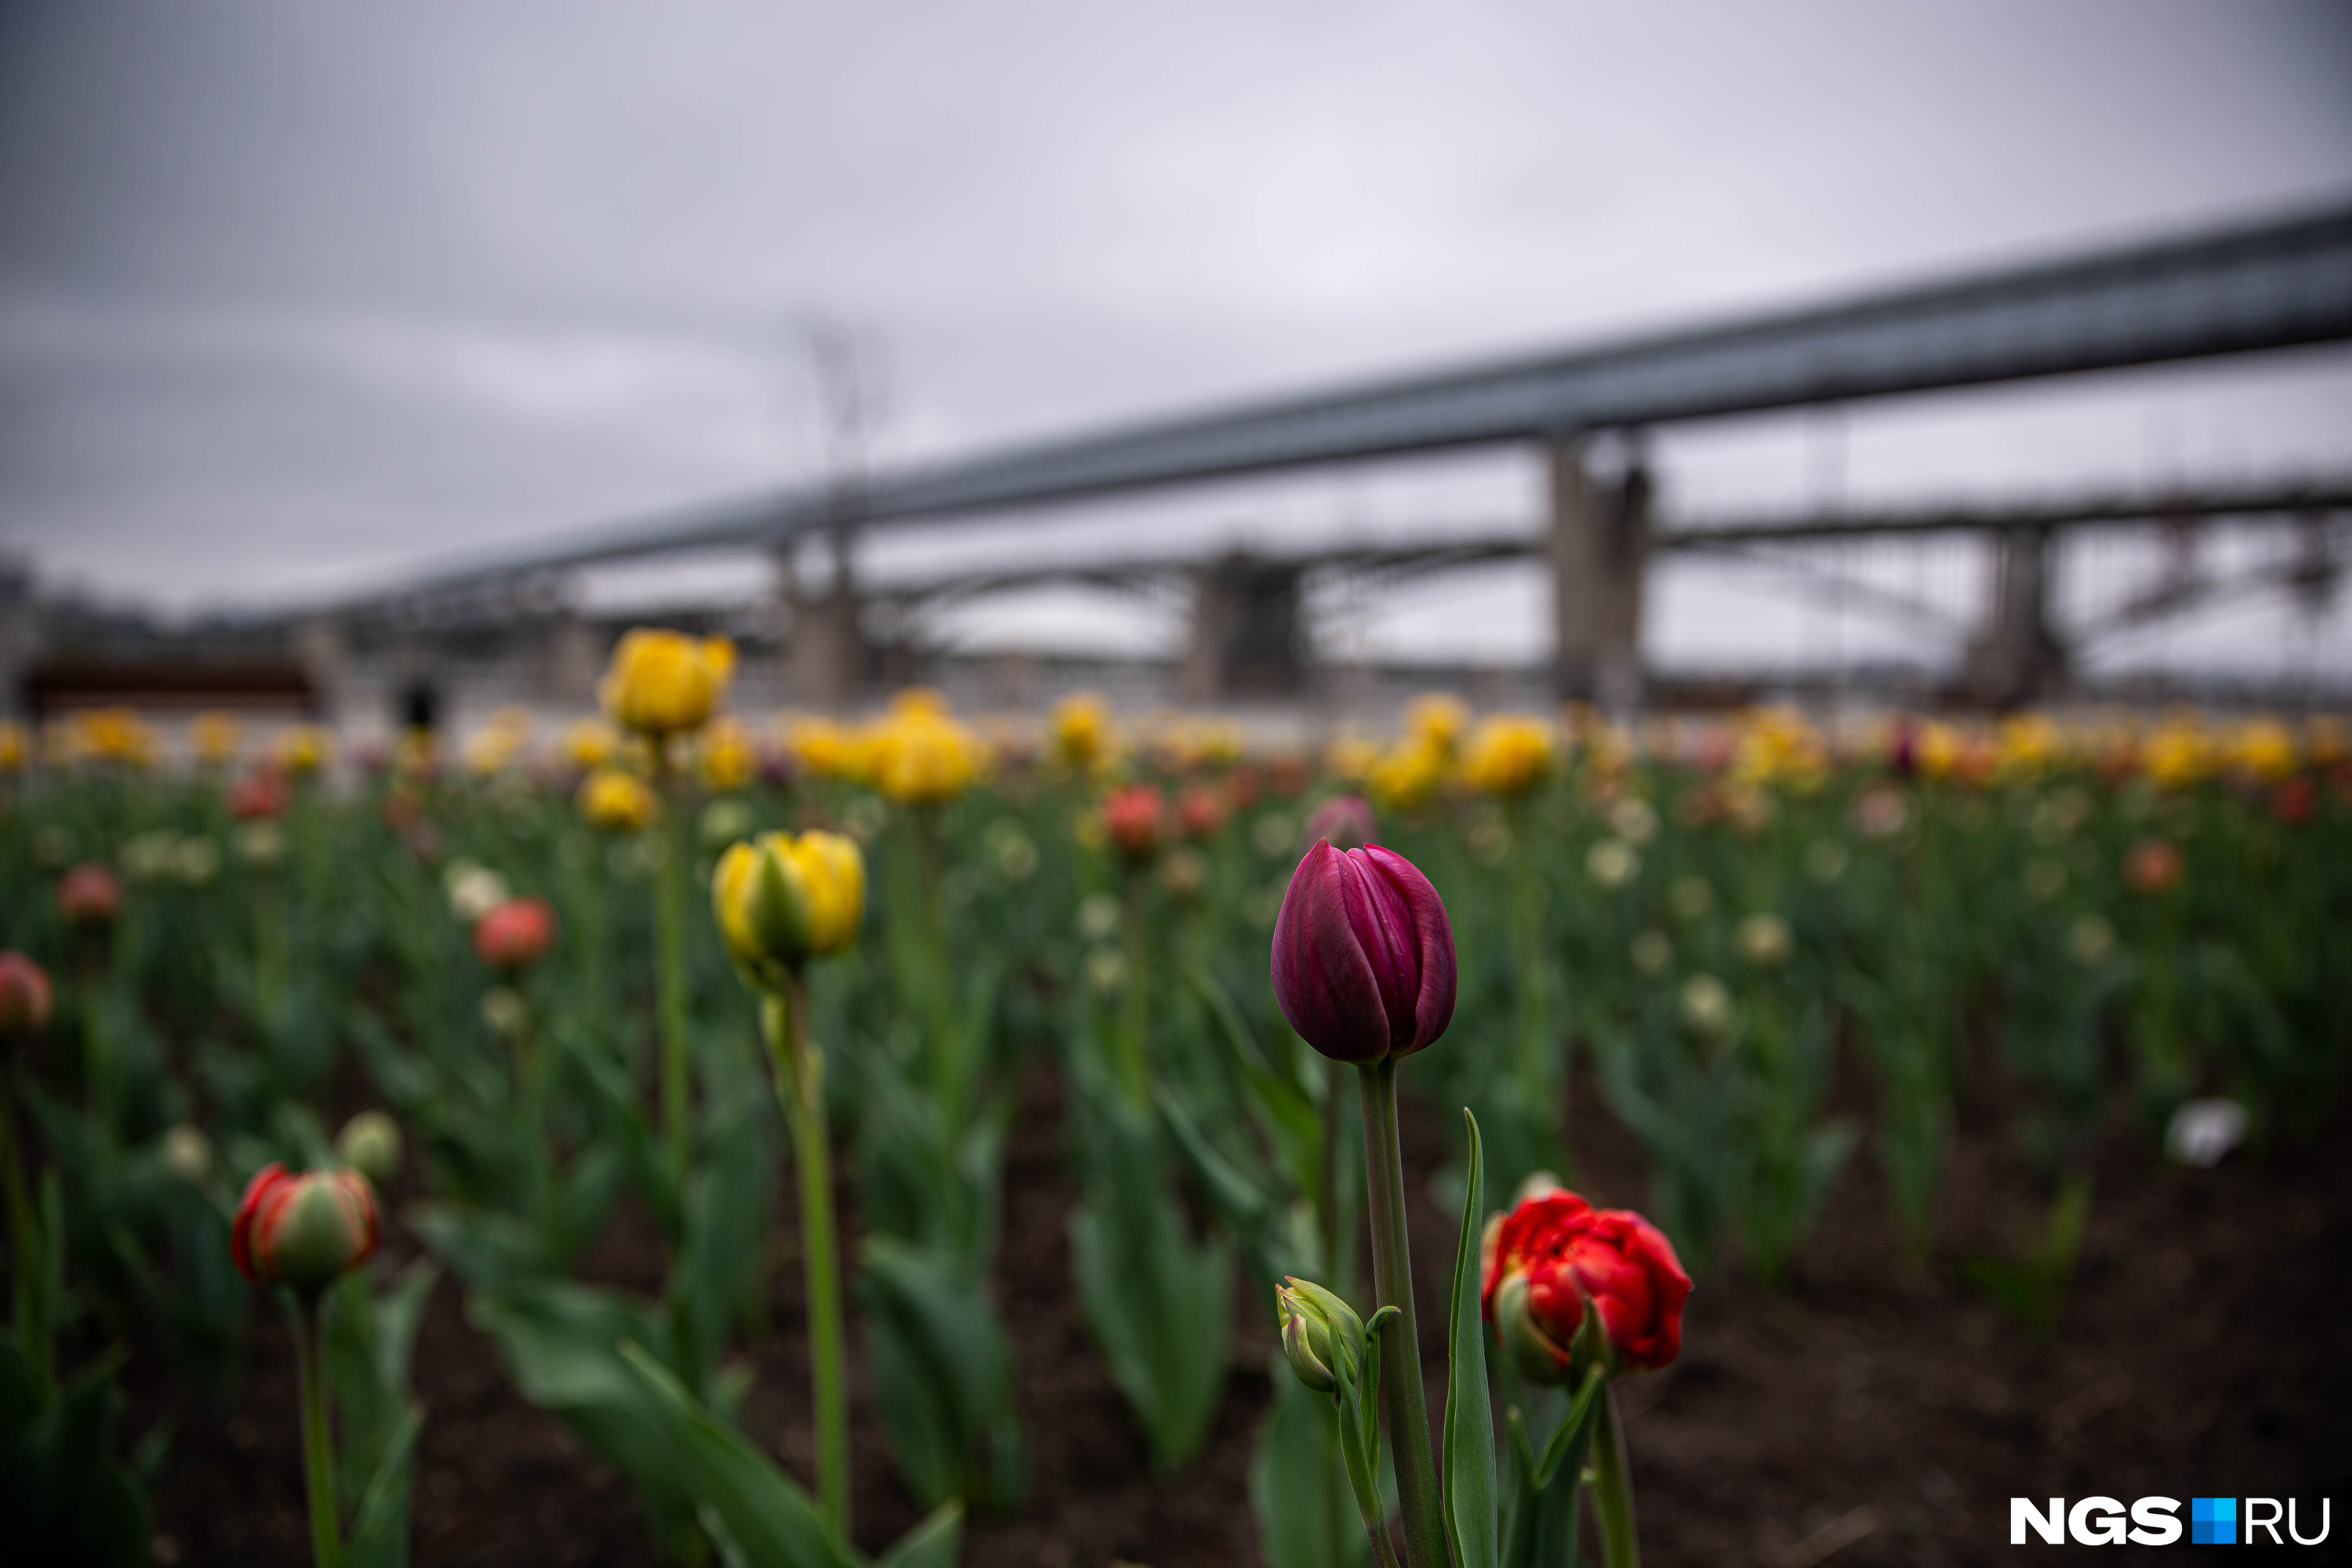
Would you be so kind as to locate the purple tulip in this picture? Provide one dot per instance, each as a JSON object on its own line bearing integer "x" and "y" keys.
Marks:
{"x": 1363, "y": 956}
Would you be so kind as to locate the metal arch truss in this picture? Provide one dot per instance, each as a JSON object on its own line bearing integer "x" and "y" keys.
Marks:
{"x": 2276, "y": 285}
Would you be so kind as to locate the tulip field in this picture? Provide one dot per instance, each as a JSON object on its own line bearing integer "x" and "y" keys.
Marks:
{"x": 690, "y": 1138}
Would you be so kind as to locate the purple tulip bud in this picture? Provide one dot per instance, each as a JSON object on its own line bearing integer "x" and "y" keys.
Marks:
{"x": 1363, "y": 956}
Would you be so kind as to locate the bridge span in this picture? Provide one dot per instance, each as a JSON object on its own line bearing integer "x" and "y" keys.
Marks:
{"x": 2273, "y": 286}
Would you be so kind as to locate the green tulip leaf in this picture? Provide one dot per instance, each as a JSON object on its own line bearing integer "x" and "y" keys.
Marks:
{"x": 769, "y": 1520}
{"x": 1469, "y": 1481}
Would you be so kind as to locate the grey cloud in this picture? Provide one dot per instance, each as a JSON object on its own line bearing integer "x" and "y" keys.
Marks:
{"x": 292, "y": 294}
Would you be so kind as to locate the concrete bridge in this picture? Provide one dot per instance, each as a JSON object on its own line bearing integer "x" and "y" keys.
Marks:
{"x": 2276, "y": 285}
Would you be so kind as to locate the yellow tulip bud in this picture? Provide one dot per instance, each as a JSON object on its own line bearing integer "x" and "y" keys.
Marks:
{"x": 783, "y": 900}
{"x": 589, "y": 743}
{"x": 1439, "y": 718}
{"x": 304, "y": 749}
{"x": 660, "y": 682}
{"x": 214, "y": 737}
{"x": 921, "y": 755}
{"x": 1082, "y": 731}
{"x": 618, "y": 802}
{"x": 1508, "y": 754}
{"x": 727, "y": 757}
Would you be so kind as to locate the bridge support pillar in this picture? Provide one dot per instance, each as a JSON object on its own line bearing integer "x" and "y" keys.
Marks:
{"x": 1246, "y": 638}
{"x": 1599, "y": 549}
{"x": 322, "y": 653}
{"x": 19, "y": 636}
{"x": 2017, "y": 659}
{"x": 826, "y": 660}
{"x": 572, "y": 657}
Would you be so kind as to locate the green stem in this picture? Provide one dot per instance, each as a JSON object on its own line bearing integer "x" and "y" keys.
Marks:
{"x": 530, "y": 1098}
{"x": 270, "y": 964}
{"x": 938, "y": 999}
{"x": 1534, "y": 975}
{"x": 670, "y": 923}
{"x": 1401, "y": 1396}
{"x": 1135, "y": 1026}
{"x": 318, "y": 1443}
{"x": 24, "y": 1236}
{"x": 799, "y": 1069}
{"x": 1327, "y": 1180}
{"x": 98, "y": 1090}
{"x": 1612, "y": 1489}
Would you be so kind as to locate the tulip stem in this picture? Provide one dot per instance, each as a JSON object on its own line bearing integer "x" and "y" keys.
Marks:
{"x": 669, "y": 922}
{"x": 23, "y": 1236}
{"x": 98, "y": 1087}
{"x": 1135, "y": 1024}
{"x": 798, "y": 1067}
{"x": 318, "y": 1443}
{"x": 1613, "y": 1489}
{"x": 938, "y": 998}
{"x": 1401, "y": 1396}
{"x": 269, "y": 949}
{"x": 1327, "y": 1180}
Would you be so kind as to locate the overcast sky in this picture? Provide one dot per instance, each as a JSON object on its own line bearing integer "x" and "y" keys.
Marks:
{"x": 295, "y": 297}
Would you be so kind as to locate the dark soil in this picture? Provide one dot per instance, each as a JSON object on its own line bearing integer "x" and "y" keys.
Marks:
{"x": 1862, "y": 1414}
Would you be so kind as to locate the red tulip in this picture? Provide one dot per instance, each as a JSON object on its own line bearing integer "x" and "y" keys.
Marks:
{"x": 515, "y": 934}
{"x": 2294, "y": 800}
{"x": 1363, "y": 955}
{"x": 1345, "y": 819}
{"x": 303, "y": 1231}
{"x": 1201, "y": 810}
{"x": 88, "y": 894}
{"x": 2153, "y": 865}
{"x": 25, "y": 994}
{"x": 1132, "y": 820}
{"x": 261, "y": 793}
{"x": 1554, "y": 1254}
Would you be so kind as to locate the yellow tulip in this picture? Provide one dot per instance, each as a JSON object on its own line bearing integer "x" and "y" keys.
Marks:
{"x": 618, "y": 802}
{"x": 1938, "y": 750}
{"x": 15, "y": 750}
{"x": 1350, "y": 758}
{"x": 589, "y": 743}
{"x": 1083, "y": 736}
{"x": 1217, "y": 744}
{"x": 919, "y": 702}
{"x": 2177, "y": 755}
{"x": 727, "y": 757}
{"x": 1439, "y": 717}
{"x": 2264, "y": 749}
{"x": 661, "y": 682}
{"x": 919, "y": 755}
{"x": 1509, "y": 754}
{"x": 2030, "y": 744}
{"x": 1408, "y": 774}
{"x": 828, "y": 749}
{"x": 213, "y": 735}
{"x": 783, "y": 900}
{"x": 115, "y": 735}
{"x": 494, "y": 747}
{"x": 1779, "y": 745}
{"x": 305, "y": 749}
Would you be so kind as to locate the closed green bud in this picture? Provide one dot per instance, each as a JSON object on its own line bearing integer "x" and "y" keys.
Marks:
{"x": 369, "y": 1143}
{"x": 188, "y": 1153}
{"x": 1298, "y": 1337}
{"x": 1321, "y": 1334}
